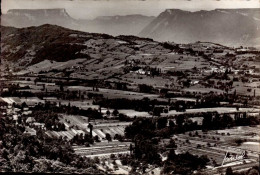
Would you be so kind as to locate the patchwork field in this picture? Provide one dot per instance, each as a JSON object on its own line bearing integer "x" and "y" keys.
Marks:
{"x": 215, "y": 144}
{"x": 100, "y": 128}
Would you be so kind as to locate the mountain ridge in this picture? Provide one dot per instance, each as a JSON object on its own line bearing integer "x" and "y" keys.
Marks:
{"x": 232, "y": 27}
{"x": 113, "y": 25}
{"x": 180, "y": 26}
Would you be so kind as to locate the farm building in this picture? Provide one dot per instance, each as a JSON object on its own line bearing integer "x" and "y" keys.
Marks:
{"x": 197, "y": 119}
{"x": 29, "y": 131}
{"x": 15, "y": 117}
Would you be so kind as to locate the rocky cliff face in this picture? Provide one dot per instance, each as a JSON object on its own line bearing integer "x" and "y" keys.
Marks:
{"x": 28, "y": 17}
{"x": 228, "y": 27}
{"x": 40, "y": 13}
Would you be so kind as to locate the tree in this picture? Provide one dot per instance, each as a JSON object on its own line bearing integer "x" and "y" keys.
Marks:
{"x": 157, "y": 111}
{"x": 61, "y": 88}
{"x": 115, "y": 112}
{"x": 253, "y": 171}
{"x": 162, "y": 122}
{"x": 229, "y": 171}
{"x": 118, "y": 137}
{"x": 146, "y": 151}
{"x": 145, "y": 88}
{"x": 171, "y": 124}
{"x": 108, "y": 137}
{"x": 90, "y": 126}
{"x": 171, "y": 144}
{"x": 171, "y": 155}
{"x": 238, "y": 141}
{"x": 96, "y": 139}
{"x": 180, "y": 120}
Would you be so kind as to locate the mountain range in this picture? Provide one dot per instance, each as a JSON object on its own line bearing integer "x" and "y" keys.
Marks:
{"x": 231, "y": 27}
{"x": 113, "y": 25}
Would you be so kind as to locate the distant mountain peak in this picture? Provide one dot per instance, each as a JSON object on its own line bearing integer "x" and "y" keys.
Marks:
{"x": 39, "y": 12}
{"x": 35, "y": 17}
{"x": 173, "y": 12}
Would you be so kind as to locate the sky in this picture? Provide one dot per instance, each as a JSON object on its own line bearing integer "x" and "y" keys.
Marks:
{"x": 89, "y": 9}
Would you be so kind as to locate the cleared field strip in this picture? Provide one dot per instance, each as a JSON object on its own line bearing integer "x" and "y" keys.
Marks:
{"x": 119, "y": 130}
{"x": 99, "y": 133}
{"x": 101, "y": 151}
{"x": 102, "y": 148}
{"x": 68, "y": 134}
{"x": 105, "y": 143}
{"x": 107, "y": 154}
{"x": 107, "y": 131}
{"x": 114, "y": 131}
{"x": 80, "y": 148}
